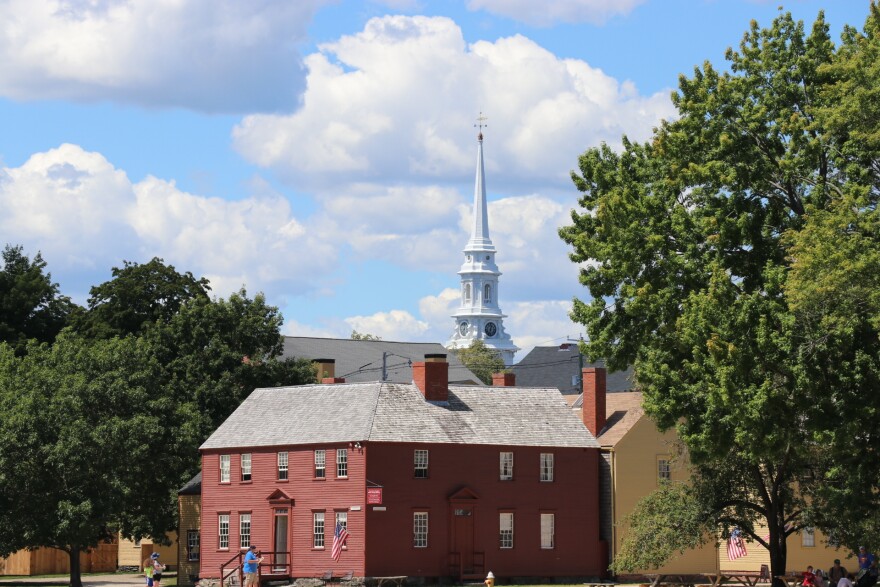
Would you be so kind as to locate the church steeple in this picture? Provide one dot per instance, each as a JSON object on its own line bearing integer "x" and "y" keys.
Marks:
{"x": 479, "y": 315}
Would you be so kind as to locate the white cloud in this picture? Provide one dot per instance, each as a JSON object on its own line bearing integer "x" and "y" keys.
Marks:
{"x": 404, "y": 92}
{"x": 214, "y": 55}
{"x": 86, "y": 216}
{"x": 393, "y": 325}
{"x": 549, "y": 12}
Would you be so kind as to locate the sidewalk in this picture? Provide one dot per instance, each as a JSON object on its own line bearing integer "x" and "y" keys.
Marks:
{"x": 88, "y": 580}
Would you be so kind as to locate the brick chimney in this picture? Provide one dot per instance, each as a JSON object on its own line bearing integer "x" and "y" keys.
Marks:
{"x": 432, "y": 377}
{"x": 333, "y": 380}
{"x": 324, "y": 368}
{"x": 503, "y": 379}
{"x": 594, "y": 399}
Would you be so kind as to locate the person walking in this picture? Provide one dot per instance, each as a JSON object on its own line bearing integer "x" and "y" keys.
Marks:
{"x": 148, "y": 570}
{"x": 157, "y": 569}
{"x": 251, "y": 567}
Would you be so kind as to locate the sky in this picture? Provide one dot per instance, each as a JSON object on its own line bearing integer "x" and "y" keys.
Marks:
{"x": 323, "y": 152}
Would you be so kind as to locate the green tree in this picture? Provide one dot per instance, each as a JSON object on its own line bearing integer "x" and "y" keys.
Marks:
{"x": 138, "y": 294}
{"x": 481, "y": 360}
{"x": 84, "y": 437}
{"x": 31, "y": 306}
{"x": 355, "y": 335}
{"x": 687, "y": 243}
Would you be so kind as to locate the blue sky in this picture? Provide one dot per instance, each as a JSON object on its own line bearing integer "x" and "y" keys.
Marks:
{"x": 323, "y": 152}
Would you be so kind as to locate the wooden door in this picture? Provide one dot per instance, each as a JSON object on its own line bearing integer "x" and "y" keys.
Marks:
{"x": 463, "y": 536}
{"x": 281, "y": 531}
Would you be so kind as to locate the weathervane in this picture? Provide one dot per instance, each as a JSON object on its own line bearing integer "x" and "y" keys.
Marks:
{"x": 480, "y": 124}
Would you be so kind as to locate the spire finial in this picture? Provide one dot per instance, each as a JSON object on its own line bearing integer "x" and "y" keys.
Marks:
{"x": 481, "y": 122}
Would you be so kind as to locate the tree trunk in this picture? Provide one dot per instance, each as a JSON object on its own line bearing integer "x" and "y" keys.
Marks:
{"x": 75, "y": 570}
{"x": 778, "y": 554}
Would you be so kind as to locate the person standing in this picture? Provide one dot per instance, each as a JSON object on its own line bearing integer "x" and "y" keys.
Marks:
{"x": 148, "y": 570}
{"x": 865, "y": 559}
{"x": 251, "y": 567}
{"x": 157, "y": 569}
{"x": 836, "y": 573}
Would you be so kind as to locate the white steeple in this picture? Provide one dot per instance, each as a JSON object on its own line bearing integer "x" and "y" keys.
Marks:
{"x": 479, "y": 316}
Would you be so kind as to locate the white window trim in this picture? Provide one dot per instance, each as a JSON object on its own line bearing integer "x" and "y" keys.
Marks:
{"x": 316, "y": 536}
{"x": 502, "y": 458}
{"x": 246, "y": 467}
{"x": 420, "y": 464}
{"x": 420, "y": 529}
{"x": 244, "y": 522}
{"x": 283, "y": 464}
{"x": 547, "y": 465}
{"x": 223, "y": 537}
{"x": 342, "y": 463}
{"x": 808, "y": 537}
{"x": 320, "y": 463}
{"x": 505, "y": 535}
{"x": 225, "y": 468}
{"x": 548, "y": 535}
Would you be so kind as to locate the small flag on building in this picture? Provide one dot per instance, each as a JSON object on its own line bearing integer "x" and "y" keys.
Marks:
{"x": 339, "y": 538}
{"x": 735, "y": 545}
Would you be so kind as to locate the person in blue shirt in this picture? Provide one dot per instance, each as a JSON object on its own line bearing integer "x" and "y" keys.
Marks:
{"x": 251, "y": 564}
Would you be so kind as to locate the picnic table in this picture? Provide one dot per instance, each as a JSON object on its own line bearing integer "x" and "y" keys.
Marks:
{"x": 660, "y": 579}
{"x": 791, "y": 578}
{"x": 744, "y": 578}
{"x": 396, "y": 580}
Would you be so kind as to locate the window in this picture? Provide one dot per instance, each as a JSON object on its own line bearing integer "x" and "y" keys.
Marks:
{"x": 246, "y": 467}
{"x": 244, "y": 529}
{"x": 420, "y": 529}
{"x": 341, "y": 518}
{"x": 320, "y": 463}
{"x": 342, "y": 462}
{"x": 225, "y": 464}
{"x": 505, "y": 525}
{"x": 546, "y": 466}
{"x": 808, "y": 537}
{"x": 664, "y": 471}
{"x": 224, "y": 531}
{"x": 487, "y": 294}
{"x": 318, "y": 529}
{"x": 192, "y": 545}
{"x": 282, "y": 466}
{"x": 420, "y": 459}
{"x": 467, "y": 292}
{"x": 506, "y": 473}
{"x": 548, "y": 527}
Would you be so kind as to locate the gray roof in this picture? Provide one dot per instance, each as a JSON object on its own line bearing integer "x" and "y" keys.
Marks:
{"x": 559, "y": 367}
{"x": 390, "y": 412}
{"x": 193, "y": 486}
{"x": 361, "y": 360}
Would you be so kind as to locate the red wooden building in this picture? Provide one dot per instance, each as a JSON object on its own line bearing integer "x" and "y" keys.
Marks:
{"x": 430, "y": 480}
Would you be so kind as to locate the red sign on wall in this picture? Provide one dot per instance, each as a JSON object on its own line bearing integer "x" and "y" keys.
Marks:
{"x": 374, "y": 495}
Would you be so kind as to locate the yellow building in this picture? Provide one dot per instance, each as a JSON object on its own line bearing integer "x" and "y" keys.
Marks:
{"x": 189, "y": 504}
{"x": 133, "y": 553}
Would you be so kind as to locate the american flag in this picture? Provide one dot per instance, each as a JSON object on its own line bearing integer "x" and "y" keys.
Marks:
{"x": 339, "y": 538}
{"x": 735, "y": 545}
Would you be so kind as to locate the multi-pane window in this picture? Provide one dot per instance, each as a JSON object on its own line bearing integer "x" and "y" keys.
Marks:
{"x": 342, "y": 519}
{"x": 342, "y": 462}
{"x": 664, "y": 472}
{"x": 192, "y": 545}
{"x": 467, "y": 292}
{"x": 225, "y": 467}
{"x": 420, "y": 461}
{"x": 282, "y": 465}
{"x": 546, "y": 466}
{"x": 548, "y": 529}
{"x": 487, "y": 294}
{"x": 318, "y": 529}
{"x": 244, "y": 528}
{"x": 808, "y": 537}
{"x": 506, "y": 462}
{"x": 420, "y": 529}
{"x": 223, "y": 526}
{"x": 246, "y": 467}
{"x": 320, "y": 463}
{"x": 505, "y": 527}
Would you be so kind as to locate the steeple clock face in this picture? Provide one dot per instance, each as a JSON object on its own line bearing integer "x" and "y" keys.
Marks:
{"x": 463, "y": 328}
{"x": 490, "y": 329}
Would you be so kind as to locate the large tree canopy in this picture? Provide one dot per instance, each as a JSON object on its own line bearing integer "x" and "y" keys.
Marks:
{"x": 702, "y": 252}
{"x": 100, "y": 429}
{"x": 31, "y": 306}
{"x": 482, "y": 360}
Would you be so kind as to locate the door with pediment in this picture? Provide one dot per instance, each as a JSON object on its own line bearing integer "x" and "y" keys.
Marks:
{"x": 465, "y": 560}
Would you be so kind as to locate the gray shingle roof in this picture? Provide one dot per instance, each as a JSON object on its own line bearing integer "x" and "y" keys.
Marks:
{"x": 549, "y": 366}
{"x": 193, "y": 486}
{"x": 361, "y": 360}
{"x": 388, "y": 412}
